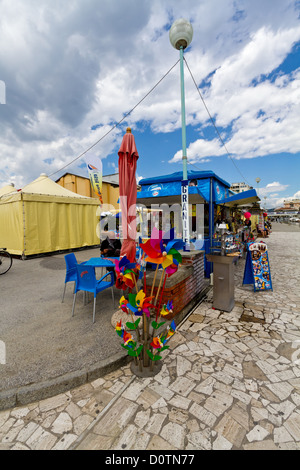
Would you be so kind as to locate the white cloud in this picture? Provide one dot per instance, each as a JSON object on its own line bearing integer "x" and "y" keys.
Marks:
{"x": 271, "y": 199}
{"x": 271, "y": 187}
{"x": 261, "y": 55}
{"x": 264, "y": 115}
{"x": 199, "y": 149}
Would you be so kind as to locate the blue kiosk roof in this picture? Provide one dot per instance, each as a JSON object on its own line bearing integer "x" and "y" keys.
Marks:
{"x": 178, "y": 177}
{"x": 167, "y": 188}
{"x": 243, "y": 198}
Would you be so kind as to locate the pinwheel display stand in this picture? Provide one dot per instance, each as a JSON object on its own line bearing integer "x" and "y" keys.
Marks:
{"x": 137, "y": 365}
{"x": 150, "y": 316}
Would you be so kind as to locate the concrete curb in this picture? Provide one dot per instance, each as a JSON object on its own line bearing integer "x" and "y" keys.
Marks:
{"x": 49, "y": 388}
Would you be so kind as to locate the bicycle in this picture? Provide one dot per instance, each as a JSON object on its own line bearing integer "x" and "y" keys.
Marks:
{"x": 5, "y": 261}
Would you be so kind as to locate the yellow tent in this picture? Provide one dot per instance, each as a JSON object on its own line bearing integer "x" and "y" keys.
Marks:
{"x": 44, "y": 217}
{"x": 9, "y": 188}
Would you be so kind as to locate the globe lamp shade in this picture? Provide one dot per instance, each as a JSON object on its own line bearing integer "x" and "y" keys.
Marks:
{"x": 181, "y": 34}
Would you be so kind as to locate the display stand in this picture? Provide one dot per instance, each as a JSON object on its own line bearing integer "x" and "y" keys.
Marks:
{"x": 257, "y": 267}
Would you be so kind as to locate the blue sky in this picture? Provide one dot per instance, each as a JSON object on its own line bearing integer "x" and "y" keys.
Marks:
{"x": 71, "y": 73}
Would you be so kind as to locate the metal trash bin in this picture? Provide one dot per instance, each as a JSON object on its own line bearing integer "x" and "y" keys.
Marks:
{"x": 223, "y": 286}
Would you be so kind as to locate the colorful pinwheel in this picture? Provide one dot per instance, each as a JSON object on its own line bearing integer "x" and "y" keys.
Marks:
{"x": 123, "y": 304}
{"x": 172, "y": 257}
{"x": 159, "y": 341}
{"x": 125, "y": 273}
{"x": 161, "y": 251}
{"x": 166, "y": 309}
{"x": 156, "y": 343}
{"x": 144, "y": 303}
{"x": 139, "y": 303}
{"x": 128, "y": 340}
{"x": 120, "y": 328}
{"x": 171, "y": 330}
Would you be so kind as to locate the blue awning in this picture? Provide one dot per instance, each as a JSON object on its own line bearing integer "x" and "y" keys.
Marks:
{"x": 177, "y": 176}
{"x": 169, "y": 195}
{"x": 241, "y": 199}
{"x": 203, "y": 187}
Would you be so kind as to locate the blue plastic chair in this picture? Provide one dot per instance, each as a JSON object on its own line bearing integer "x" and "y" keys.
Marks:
{"x": 87, "y": 282}
{"x": 71, "y": 274}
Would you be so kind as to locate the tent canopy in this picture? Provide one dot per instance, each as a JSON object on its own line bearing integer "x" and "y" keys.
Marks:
{"x": 44, "y": 217}
{"x": 9, "y": 188}
{"x": 44, "y": 185}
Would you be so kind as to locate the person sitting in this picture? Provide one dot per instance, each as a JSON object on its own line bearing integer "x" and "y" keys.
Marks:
{"x": 266, "y": 231}
{"x": 261, "y": 233}
{"x": 110, "y": 246}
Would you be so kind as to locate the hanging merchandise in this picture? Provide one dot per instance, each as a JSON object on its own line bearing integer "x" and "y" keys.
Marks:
{"x": 261, "y": 223}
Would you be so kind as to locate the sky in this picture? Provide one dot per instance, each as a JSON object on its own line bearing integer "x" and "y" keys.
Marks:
{"x": 74, "y": 75}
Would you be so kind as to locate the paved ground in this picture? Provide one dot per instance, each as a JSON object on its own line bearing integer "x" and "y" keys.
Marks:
{"x": 40, "y": 335}
{"x": 228, "y": 381}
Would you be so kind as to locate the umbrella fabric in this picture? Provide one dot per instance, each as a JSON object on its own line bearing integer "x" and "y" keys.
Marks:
{"x": 247, "y": 215}
{"x": 128, "y": 156}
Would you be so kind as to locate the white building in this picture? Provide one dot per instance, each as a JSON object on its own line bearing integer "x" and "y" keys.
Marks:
{"x": 240, "y": 187}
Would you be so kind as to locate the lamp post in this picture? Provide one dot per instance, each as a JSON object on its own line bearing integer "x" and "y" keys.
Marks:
{"x": 257, "y": 180}
{"x": 181, "y": 34}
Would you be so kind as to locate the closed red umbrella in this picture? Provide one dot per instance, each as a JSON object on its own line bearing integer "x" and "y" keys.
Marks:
{"x": 128, "y": 156}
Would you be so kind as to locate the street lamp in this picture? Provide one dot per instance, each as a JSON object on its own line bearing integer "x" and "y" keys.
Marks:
{"x": 181, "y": 34}
{"x": 257, "y": 180}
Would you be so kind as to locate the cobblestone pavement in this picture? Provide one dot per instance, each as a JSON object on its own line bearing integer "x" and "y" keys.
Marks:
{"x": 229, "y": 381}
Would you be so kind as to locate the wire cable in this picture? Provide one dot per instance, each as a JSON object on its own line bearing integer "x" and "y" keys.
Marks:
{"x": 117, "y": 124}
{"x": 213, "y": 123}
